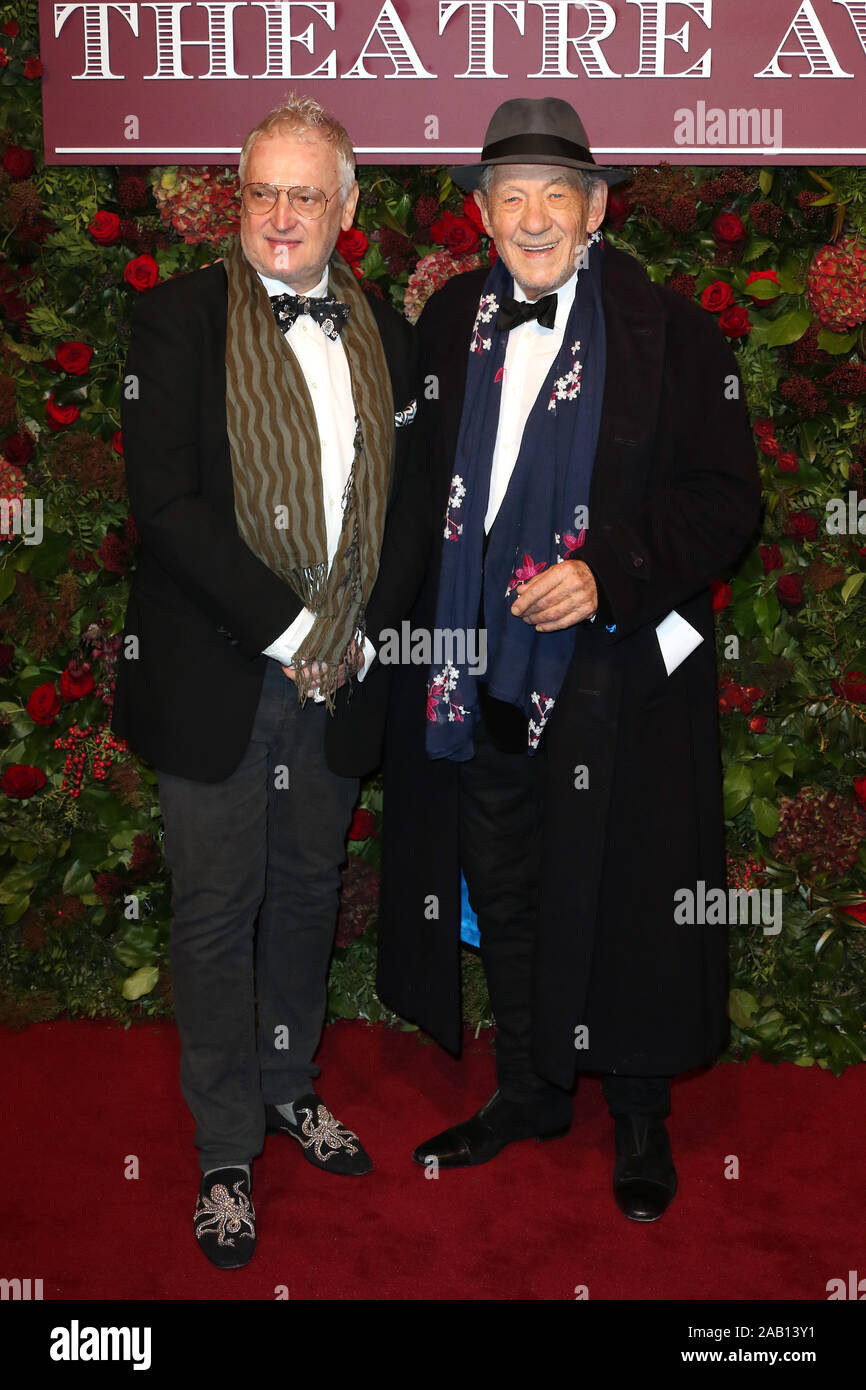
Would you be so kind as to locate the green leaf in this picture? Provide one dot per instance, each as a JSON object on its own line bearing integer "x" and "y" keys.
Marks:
{"x": 767, "y": 612}
{"x": 755, "y": 247}
{"x": 787, "y": 328}
{"x": 853, "y": 584}
{"x": 763, "y": 289}
{"x": 78, "y": 878}
{"x": 766, "y": 815}
{"x": 14, "y": 911}
{"x": 742, "y": 1007}
{"x": 7, "y": 582}
{"x": 766, "y": 181}
{"x": 738, "y": 788}
{"x": 836, "y": 343}
{"x": 141, "y": 982}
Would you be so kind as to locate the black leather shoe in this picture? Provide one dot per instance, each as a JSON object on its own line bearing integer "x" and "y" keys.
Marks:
{"x": 497, "y": 1123}
{"x": 224, "y": 1219}
{"x": 326, "y": 1143}
{"x": 644, "y": 1176}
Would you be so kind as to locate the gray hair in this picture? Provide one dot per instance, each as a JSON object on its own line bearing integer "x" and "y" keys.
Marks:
{"x": 302, "y": 116}
{"x": 583, "y": 179}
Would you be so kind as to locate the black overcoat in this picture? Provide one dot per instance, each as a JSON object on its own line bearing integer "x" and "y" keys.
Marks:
{"x": 202, "y": 606}
{"x": 674, "y": 500}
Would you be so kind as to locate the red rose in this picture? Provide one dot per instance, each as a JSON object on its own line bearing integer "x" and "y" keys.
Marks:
{"x": 858, "y": 912}
{"x": 117, "y": 442}
{"x": 7, "y": 652}
{"x": 735, "y": 322}
{"x": 758, "y": 724}
{"x": 18, "y": 162}
{"x": 461, "y": 237}
{"x": 720, "y": 595}
{"x": 21, "y": 780}
{"x": 472, "y": 213}
{"x": 801, "y": 526}
{"x": 44, "y": 704}
{"x": 770, "y": 446}
{"x": 142, "y": 272}
{"x": 789, "y": 590}
{"x": 33, "y": 68}
{"x": 860, "y": 789}
{"x": 76, "y": 681}
{"x": 10, "y": 28}
{"x": 788, "y": 463}
{"x": 352, "y": 245}
{"x": 439, "y": 228}
{"x": 771, "y": 555}
{"x": 717, "y": 296}
{"x": 359, "y": 275}
{"x": 4, "y": 58}
{"x": 105, "y": 228}
{"x": 754, "y": 275}
{"x": 74, "y": 358}
{"x": 619, "y": 210}
{"x": 492, "y": 254}
{"x": 18, "y": 448}
{"x": 59, "y": 416}
{"x": 728, "y": 231}
{"x": 363, "y": 824}
{"x": 764, "y": 429}
{"x": 852, "y": 687}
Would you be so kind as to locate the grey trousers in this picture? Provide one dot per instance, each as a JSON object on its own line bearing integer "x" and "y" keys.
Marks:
{"x": 255, "y": 863}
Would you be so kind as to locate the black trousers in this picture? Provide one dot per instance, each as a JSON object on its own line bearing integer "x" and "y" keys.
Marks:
{"x": 500, "y": 849}
{"x": 255, "y": 863}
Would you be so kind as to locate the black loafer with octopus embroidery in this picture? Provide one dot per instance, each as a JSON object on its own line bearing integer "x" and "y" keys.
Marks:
{"x": 224, "y": 1219}
{"x": 326, "y": 1143}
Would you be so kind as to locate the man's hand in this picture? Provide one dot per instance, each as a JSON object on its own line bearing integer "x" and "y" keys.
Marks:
{"x": 353, "y": 662}
{"x": 558, "y": 597}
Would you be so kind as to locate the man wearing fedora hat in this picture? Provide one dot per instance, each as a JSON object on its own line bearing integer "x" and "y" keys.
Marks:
{"x": 595, "y": 471}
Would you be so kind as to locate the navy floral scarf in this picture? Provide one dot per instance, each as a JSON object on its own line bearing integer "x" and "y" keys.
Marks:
{"x": 541, "y": 521}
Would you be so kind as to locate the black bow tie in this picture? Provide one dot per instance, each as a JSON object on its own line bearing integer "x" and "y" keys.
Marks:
{"x": 513, "y": 312}
{"x": 330, "y": 314}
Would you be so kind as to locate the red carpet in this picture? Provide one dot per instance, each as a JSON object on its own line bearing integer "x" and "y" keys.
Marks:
{"x": 80, "y": 1097}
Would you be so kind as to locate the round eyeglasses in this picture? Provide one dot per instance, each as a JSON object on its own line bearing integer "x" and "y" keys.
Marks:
{"x": 307, "y": 202}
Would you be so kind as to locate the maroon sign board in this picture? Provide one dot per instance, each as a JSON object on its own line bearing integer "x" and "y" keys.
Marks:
{"x": 415, "y": 81}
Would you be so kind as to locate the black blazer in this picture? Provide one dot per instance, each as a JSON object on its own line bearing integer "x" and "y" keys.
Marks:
{"x": 202, "y": 606}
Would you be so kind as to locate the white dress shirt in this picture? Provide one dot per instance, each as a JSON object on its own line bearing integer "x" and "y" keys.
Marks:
{"x": 529, "y": 356}
{"x": 325, "y": 366}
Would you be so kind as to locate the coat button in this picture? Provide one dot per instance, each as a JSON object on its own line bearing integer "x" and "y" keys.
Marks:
{"x": 637, "y": 560}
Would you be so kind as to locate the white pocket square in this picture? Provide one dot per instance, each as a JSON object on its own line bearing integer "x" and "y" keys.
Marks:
{"x": 677, "y": 640}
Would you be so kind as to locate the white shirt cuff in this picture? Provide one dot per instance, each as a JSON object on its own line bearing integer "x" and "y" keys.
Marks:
{"x": 370, "y": 657}
{"x": 283, "y": 648}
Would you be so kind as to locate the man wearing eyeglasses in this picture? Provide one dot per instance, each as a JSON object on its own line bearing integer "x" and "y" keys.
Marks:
{"x": 267, "y": 436}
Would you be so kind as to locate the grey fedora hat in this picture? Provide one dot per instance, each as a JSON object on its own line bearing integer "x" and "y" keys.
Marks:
{"x": 535, "y": 130}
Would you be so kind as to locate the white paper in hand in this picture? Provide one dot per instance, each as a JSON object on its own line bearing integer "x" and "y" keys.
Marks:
{"x": 677, "y": 640}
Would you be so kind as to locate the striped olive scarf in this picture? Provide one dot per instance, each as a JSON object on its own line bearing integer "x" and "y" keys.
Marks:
{"x": 276, "y": 461}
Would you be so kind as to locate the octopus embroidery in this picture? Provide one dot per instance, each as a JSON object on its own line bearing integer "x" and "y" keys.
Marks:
{"x": 223, "y": 1213}
{"x": 327, "y": 1131}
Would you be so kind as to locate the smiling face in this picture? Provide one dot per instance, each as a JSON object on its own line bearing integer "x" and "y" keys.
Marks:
{"x": 280, "y": 243}
{"x": 538, "y": 220}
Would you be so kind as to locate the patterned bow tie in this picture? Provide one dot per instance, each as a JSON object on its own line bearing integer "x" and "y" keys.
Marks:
{"x": 330, "y": 314}
{"x": 513, "y": 312}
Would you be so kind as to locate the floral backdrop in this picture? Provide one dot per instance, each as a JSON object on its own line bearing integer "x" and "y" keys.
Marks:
{"x": 776, "y": 257}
